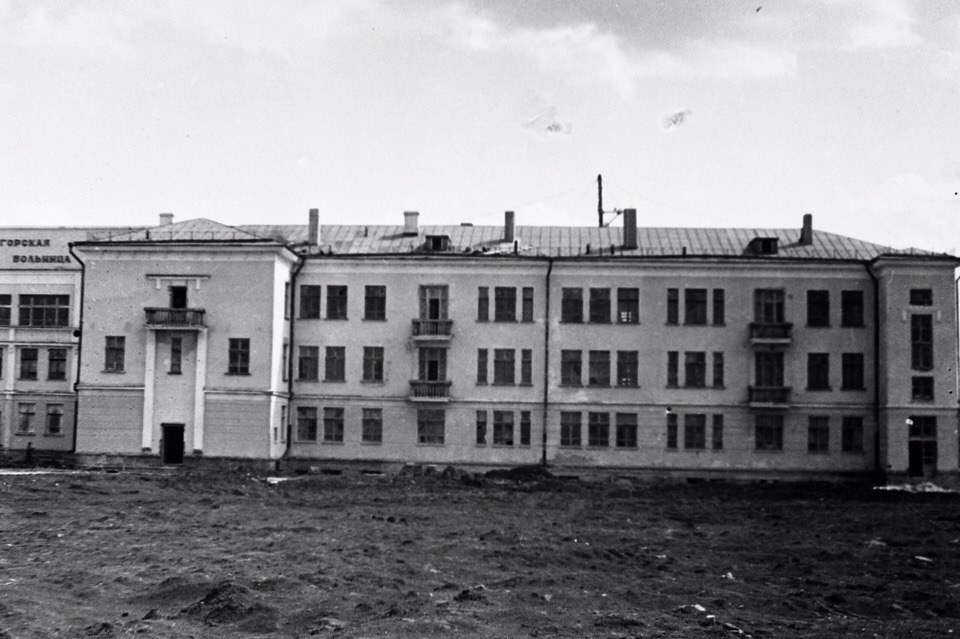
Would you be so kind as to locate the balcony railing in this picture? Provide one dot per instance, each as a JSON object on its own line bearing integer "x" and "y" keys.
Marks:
{"x": 777, "y": 395}
{"x": 175, "y": 317}
{"x": 429, "y": 391}
{"x": 432, "y": 328}
{"x": 771, "y": 333}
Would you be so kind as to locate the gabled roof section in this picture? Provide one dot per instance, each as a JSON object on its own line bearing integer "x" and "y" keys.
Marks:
{"x": 573, "y": 241}
{"x": 197, "y": 230}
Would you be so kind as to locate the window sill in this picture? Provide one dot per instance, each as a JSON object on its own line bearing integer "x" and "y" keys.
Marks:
{"x": 371, "y": 443}
{"x": 857, "y": 453}
{"x": 54, "y": 435}
{"x": 236, "y": 373}
{"x": 496, "y": 445}
{"x": 333, "y": 442}
{"x": 571, "y": 385}
{"x": 853, "y": 326}
{"x": 334, "y": 381}
{"x": 113, "y": 372}
{"x": 374, "y": 319}
{"x": 505, "y": 321}
{"x": 25, "y": 434}
{"x": 818, "y": 326}
{"x": 768, "y": 451}
{"x": 571, "y": 446}
{"x": 563, "y": 321}
{"x": 628, "y": 386}
{"x": 628, "y": 323}
{"x": 56, "y": 379}
{"x": 695, "y": 387}
{"x": 503, "y": 384}
{"x": 431, "y": 444}
{"x": 310, "y": 380}
{"x": 606, "y": 323}
{"x": 174, "y": 373}
{"x": 619, "y": 447}
{"x": 818, "y": 452}
{"x": 336, "y": 319}
{"x": 28, "y": 379}
{"x": 372, "y": 382}
{"x": 301, "y": 318}
{"x": 527, "y": 384}
{"x": 922, "y": 400}
{"x": 855, "y": 390}
{"x": 824, "y": 389}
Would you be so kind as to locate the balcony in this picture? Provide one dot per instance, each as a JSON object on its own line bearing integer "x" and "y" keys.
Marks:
{"x": 771, "y": 333}
{"x": 432, "y": 330}
{"x": 424, "y": 391}
{"x": 768, "y": 396}
{"x": 175, "y": 318}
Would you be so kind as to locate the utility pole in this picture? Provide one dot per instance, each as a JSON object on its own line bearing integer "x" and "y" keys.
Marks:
{"x": 600, "y": 199}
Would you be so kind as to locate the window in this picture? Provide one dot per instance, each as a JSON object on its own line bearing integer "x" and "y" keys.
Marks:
{"x": 333, "y": 424}
{"x": 672, "y": 423}
{"x": 481, "y": 366}
{"x": 598, "y": 430}
{"x": 526, "y": 367}
{"x": 115, "y": 346}
{"x": 922, "y": 427}
{"x": 768, "y": 306}
{"x": 627, "y": 367}
{"x": 818, "y": 309}
{"x": 433, "y": 302}
{"x": 430, "y": 425}
{"x": 481, "y": 428}
{"x": 375, "y": 303}
{"x": 239, "y": 356}
{"x": 718, "y": 370}
{"x": 921, "y": 342}
{"x": 286, "y": 301}
{"x": 336, "y": 302}
{"x": 719, "y": 307}
{"x": 628, "y": 305}
{"x": 526, "y": 309}
{"x": 851, "y": 434}
{"x": 502, "y": 428}
{"x": 504, "y": 304}
{"x": 818, "y": 371}
{"x": 695, "y": 432}
{"x": 306, "y": 423}
{"x": 309, "y": 363}
{"x": 673, "y": 306}
{"x": 695, "y": 369}
{"x": 309, "y": 301}
{"x": 626, "y": 430}
{"x": 178, "y": 297}
{"x": 695, "y": 306}
{"x": 524, "y": 428}
{"x": 432, "y": 365}
{"x": 25, "y": 422}
{"x": 176, "y": 355}
{"x": 283, "y": 423}
{"x": 852, "y": 373}
{"x": 921, "y": 297}
{"x": 570, "y": 429}
{"x": 599, "y": 305}
{"x": 503, "y": 366}
{"x": 851, "y": 308}
{"x": 571, "y": 306}
{"x": 922, "y": 388}
{"x": 483, "y": 304}
{"x": 769, "y": 369}
{"x": 373, "y": 363}
{"x": 673, "y": 375}
{"x": 599, "y": 373}
{"x": 1, "y": 367}
{"x": 5, "y": 307}
{"x": 54, "y": 419}
{"x": 28, "y": 363}
{"x": 57, "y": 363}
{"x": 570, "y": 368}
{"x": 717, "y": 439}
{"x": 335, "y": 364}
{"x": 769, "y": 432}
{"x": 818, "y": 434}
{"x": 285, "y": 361}
{"x": 44, "y": 310}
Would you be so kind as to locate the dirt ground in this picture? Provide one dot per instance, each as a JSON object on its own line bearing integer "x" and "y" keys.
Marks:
{"x": 186, "y": 554}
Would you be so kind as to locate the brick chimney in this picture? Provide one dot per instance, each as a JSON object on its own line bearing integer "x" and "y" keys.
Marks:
{"x": 629, "y": 229}
{"x": 508, "y": 218}
{"x": 410, "y": 223}
{"x": 166, "y": 219}
{"x": 806, "y": 232}
{"x": 313, "y": 228}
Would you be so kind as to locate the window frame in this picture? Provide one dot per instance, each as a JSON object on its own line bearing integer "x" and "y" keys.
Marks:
{"x": 373, "y": 366}
{"x": 695, "y": 307}
{"x": 852, "y": 309}
{"x": 375, "y": 303}
{"x": 599, "y": 306}
{"x": 337, "y": 302}
{"x": 115, "y": 347}
{"x": 371, "y": 426}
{"x": 333, "y": 424}
{"x": 505, "y": 304}
{"x": 335, "y": 364}
{"x": 431, "y": 426}
{"x": 307, "y": 423}
{"x": 571, "y": 306}
{"x": 310, "y": 301}
{"x": 308, "y": 363}
{"x": 628, "y": 305}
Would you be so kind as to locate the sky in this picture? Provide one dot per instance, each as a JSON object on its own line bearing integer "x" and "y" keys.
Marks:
{"x": 704, "y": 114}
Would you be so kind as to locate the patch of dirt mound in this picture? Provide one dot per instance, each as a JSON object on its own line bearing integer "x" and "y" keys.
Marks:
{"x": 230, "y": 603}
{"x": 520, "y": 473}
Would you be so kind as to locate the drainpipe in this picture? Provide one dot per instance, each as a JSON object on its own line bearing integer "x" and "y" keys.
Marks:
{"x": 876, "y": 369}
{"x": 546, "y": 362}
{"x": 293, "y": 306}
{"x": 76, "y": 382}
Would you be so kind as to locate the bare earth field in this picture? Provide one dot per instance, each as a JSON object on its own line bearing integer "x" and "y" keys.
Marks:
{"x": 186, "y": 554}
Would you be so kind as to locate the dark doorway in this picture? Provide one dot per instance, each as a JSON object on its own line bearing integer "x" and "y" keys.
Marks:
{"x": 171, "y": 446}
{"x": 922, "y": 458}
{"x": 178, "y": 297}
{"x": 916, "y": 459}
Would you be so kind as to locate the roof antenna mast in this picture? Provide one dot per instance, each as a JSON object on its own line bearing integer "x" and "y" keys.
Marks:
{"x": 600, "y": 212}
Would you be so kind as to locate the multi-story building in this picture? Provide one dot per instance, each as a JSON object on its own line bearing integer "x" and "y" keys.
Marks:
{"x": 779, "y": 352}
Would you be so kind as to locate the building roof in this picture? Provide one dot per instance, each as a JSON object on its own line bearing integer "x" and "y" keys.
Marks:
{"x": 567, "y": 241}
{"x": 196, "y": 230}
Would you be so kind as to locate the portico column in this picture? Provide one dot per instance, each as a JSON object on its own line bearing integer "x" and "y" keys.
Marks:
{"x": 149, "y": 375}
{"x": 198, "y": 399}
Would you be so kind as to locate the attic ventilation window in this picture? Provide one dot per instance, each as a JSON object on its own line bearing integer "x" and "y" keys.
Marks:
{"x": 763, "y": 246}
{"x": 438, "y": 243}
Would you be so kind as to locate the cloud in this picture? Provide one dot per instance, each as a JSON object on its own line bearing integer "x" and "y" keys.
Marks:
{"x": 931, "y": 206}
{"x": 675, "y": 119}
{"x": 888, "y": 24}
